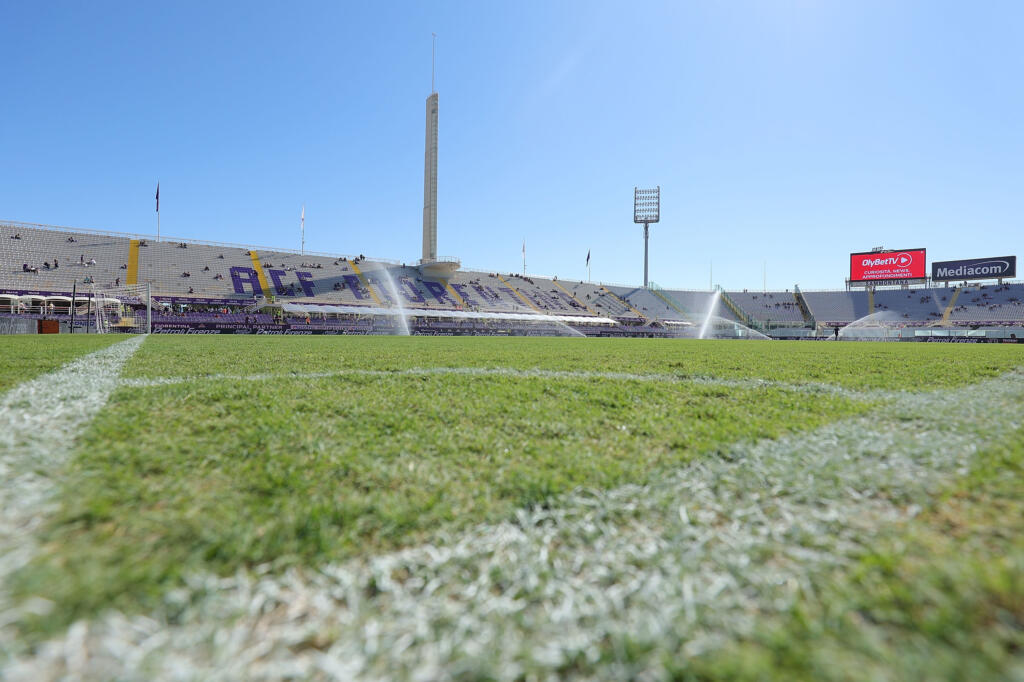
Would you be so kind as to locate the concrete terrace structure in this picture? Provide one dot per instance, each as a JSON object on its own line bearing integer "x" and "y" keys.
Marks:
{"x": 37, "y": 261}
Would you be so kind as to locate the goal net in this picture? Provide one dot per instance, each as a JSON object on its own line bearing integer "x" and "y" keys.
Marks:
{"x": 116, "y": 310}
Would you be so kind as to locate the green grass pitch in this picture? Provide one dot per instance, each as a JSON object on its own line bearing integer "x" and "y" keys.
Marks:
{"x": 283, "y": 455}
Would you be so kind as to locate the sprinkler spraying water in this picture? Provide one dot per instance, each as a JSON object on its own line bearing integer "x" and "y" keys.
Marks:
{"x": 396, "y": 302}
{"x": 712, "y": 307}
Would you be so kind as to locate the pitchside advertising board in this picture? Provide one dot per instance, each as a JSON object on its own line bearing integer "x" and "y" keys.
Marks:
{"x": 975, "y": 268}
{"x": 884, "y": 266}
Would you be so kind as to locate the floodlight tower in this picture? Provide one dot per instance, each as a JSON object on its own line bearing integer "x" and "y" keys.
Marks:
{"x": 646, "y": 210}
{"x": 430, "y": 170}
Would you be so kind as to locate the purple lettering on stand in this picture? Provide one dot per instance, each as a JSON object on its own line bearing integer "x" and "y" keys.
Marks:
{"x": 460, "y": 289}
{"x": 438, "y": 291}
{"x": 275, "y": 277}
{"x": 565, "y": 300}
{"x": 306, "y": 282}
{"x": 410, "y": 291}
{"x": 511, "y": 294}
{"x": 355, "y": 286}
{"x": 240, "y": 276}
{"x": 383, "y": 293}
{"x": 487, "y": 293}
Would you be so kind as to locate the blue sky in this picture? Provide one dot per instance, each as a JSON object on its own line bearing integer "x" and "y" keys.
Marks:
{"x": 784, "y": 133}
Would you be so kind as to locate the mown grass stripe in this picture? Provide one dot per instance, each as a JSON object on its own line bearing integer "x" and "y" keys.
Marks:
{"x": 504, "y": 372}
{"x": 618, "y": 583}
{"x": 39, "y": 419}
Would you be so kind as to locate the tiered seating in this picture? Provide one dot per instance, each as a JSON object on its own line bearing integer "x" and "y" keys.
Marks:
{"x": 545, "y": 296}
{"x": 837, "y": 307}
{"x": 38, "y": 248}
{"x": 209, "y": 274}
{"x": 647, "y": 303}
{"x": 696, "y": 303}
{"x": 486, "y": 291}
{"x": 992, "y": 304}
{"x": 768, "y": 307}
{"x": 199, "y": 271}
{"x": 914, "y": 305}
{"x": 601, "y": 300}
{"x": 319, "y": 279}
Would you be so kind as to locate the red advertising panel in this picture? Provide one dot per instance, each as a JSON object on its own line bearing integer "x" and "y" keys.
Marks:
{"x": 879, "y": 266}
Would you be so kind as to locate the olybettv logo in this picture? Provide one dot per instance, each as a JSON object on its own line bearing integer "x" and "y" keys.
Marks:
{"x": 902, "y": 259}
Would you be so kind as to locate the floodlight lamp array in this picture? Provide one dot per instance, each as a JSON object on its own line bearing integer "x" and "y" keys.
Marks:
{"x": 646, "y": 205}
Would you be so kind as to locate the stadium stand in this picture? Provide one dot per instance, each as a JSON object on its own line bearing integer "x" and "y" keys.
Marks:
{"x": 769, "y": 307}
{"x": 602, "y": 301}
{"x": 1001, "y": 304}
{"x": 33, "y": 259}
{"x": 833, "y": 308}
{"x": 224, "y": 284}
{"x": 914, "y": 305}
{"x": 647, "y": 302}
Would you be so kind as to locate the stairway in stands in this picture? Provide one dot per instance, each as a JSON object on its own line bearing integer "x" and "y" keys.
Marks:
{"x": 805, "y": 309}
{"x": 740, "y": 313}
{"x": 952, "y": 304}
{"x": 660, "y": 293}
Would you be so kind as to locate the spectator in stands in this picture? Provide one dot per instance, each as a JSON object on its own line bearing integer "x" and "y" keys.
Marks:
{"x": 206, "y": 268}
{"x": 186, "y": 274}
{"x": 54, "y": 263}
{"x": 221, "y": 256}
{"x": 81, "y": 259}
{"x": 71, "y": 240}
{"x": 142, "y": 242}
{"x": 46, "y": 265}
{"x": 182, "y": 245}
{"x": 17, "y": 235}
{"x": 117, "y": 281}
{"x": 190, "y": 290}
{"x": 92, "y": 261}
{"x": 124, "y": 266}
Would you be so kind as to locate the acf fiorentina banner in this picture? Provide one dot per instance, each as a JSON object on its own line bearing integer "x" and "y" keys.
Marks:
{"x": 879, "y": 266}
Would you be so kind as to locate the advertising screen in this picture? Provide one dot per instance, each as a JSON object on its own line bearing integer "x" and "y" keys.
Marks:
{"x": 975, "y": 268}
{"x": 880, "y": 266}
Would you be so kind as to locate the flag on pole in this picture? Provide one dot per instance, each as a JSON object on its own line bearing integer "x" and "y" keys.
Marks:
{"x": 158, "y": 197}
{"x": 524, "y": 248}
{"x": 588, "y": 258}
{"x": 303, "y": 218}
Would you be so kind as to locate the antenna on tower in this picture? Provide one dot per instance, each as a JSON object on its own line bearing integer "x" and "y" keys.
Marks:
{"x": 433, "y": 55}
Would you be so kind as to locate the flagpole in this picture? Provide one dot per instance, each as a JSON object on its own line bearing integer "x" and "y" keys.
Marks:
{"x": 524, "y": 257}
{"x": 158, "y": 210}
{"x": 302, "y": 249}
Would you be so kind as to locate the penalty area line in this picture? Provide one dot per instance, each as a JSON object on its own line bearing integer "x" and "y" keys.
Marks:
{"x": 672, "y": 569}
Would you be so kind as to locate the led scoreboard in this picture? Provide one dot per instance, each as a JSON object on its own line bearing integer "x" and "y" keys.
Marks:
{"x": 888, "y": 266}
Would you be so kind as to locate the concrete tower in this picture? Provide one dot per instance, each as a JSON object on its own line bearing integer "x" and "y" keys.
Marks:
{"x": 430, "y": 183}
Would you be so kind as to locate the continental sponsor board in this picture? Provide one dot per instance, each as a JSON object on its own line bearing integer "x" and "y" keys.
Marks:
{"x": 885, "y": 266}
{"x": 975, "y": 268}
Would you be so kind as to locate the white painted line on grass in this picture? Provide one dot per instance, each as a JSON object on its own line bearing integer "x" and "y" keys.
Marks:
{"x": 612, "y": 584}
{"x": 39, "y": 420}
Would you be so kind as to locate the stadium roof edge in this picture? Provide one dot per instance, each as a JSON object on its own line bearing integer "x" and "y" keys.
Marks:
{"x": 189, "y": 240}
